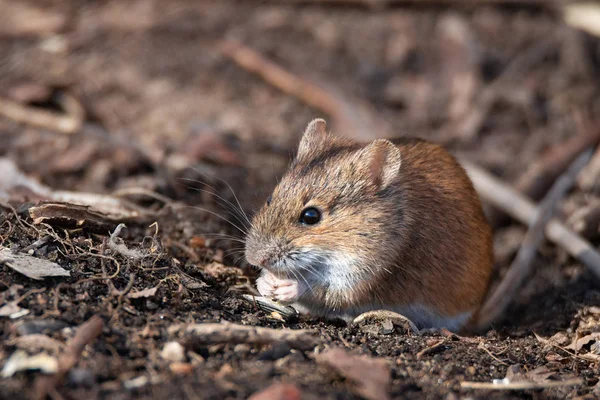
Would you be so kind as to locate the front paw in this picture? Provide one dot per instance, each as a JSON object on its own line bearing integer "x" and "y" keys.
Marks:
{"x": 285, "y": 291}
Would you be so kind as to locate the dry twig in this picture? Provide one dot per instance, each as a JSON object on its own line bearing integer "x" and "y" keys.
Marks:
{"x": 234, "y": 333}
{"x": 431, "y": 349}
{"x": 69, "y": 123}
{"x": 500, "y": 195}
{"x": 540, "y": 176}
{"x": 522, "y": 265}
{"x": 353, "y": 117}
{"x": 520, "y": 385}
{"x": 86, "y": 333}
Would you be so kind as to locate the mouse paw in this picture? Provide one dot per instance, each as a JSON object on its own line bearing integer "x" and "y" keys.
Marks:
{"x": 285, "y": 291}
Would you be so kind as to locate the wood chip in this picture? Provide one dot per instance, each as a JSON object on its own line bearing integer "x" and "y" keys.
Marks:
{"x": 31, "y": 267}
{"x": 371, "y": 375}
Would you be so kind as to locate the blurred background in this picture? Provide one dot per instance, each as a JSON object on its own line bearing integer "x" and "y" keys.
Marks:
{"x": 168, "y": 95}
{"x": 156, "y": 86}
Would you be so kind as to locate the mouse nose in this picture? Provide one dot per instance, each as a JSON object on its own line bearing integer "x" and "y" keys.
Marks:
{"x": 264, "y": 260}
{"x": 258, "y": 258}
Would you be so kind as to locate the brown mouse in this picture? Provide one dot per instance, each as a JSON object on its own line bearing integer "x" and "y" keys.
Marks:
{"x": 354, "y": 227}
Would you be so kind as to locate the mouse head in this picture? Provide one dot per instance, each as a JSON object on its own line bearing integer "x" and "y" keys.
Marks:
{"x": 333, "y": 214}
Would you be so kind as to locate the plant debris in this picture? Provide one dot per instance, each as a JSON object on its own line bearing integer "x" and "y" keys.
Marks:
{"x": 31, "y": 267}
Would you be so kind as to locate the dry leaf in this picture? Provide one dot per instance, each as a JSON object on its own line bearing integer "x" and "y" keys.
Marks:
{"x": 559, "y": 339}
{"x": 372, "y": 375}
{"x": 31, "y": 267}
{"x": 578, "y": 344}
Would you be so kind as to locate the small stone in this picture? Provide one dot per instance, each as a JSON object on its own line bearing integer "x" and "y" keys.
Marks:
{"x": 471, "y": 370}
{"x": 387, "y": 327}
{"x": 173, "y": 351}
{"x": 242, "y": 348}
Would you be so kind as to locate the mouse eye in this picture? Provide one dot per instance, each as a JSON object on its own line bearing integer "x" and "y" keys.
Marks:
{"x": 269, "y": 200}
{"x": 310, "y": 216}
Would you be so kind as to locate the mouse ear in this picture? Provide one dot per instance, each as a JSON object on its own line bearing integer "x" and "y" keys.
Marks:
{"x": 382, "y": 161}
{"x": 313, "y": 138}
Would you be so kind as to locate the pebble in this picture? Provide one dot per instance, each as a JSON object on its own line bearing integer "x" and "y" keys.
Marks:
{"x": 173, "y": 351}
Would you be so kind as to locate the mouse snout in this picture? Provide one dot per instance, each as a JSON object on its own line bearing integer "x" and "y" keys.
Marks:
{"x": 259, "y": 259}
{"x": 263, "y": 255}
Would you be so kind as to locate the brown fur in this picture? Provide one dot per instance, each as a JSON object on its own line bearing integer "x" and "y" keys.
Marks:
{"x": 423, "y": 238}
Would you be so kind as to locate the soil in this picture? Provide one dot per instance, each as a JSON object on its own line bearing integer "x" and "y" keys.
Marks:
{"x": 166, "y": 112}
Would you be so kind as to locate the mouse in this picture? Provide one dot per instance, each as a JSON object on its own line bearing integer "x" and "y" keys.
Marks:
{"x": 392, "y": 224}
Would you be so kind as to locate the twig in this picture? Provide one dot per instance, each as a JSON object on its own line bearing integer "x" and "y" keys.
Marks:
{"x": 116, "y": 244}
{"x": 481, "y": 346}
{"x": 520, "y": 385}
{"x": 233, "y": 333}
{"x": 127, "y": 289}
{"x": 522, "y": 265}
{"x": 471, "y": 124}
{"x": 108, "y": 281}
{"x": 86, "y": 333}
{"x": 431, "y": 349}
{"x": 351, "y": 116}
{"x": 540, "y": 176}
{"x": 493, "y": 191}
{"x": 68, "y": 123}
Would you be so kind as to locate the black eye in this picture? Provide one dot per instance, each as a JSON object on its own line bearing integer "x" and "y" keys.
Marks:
{"x": 310, "y": 216}
{"x": 269, "y": 200}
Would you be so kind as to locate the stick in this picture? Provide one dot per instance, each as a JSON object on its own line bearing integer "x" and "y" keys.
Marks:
{"x": 520, "y": 385}
{"x": 538, "y": 178}
{"x": 470, "y": 126}
{"x": 431, "y": 349}
{"x": 522, "y": 265}
{"x": 68, "y": 123}
{"x": 353, "y": 117}
{"x": 500, "y": 195}
{"x": 86, "y": 333}
{"x": 234, "y": 333}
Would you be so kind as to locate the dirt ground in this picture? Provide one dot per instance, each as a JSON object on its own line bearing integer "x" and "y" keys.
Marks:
{"x": 169, "y": 115}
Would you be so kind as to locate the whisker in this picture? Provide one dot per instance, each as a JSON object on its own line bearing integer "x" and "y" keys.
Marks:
{"x": 223, "y": 236}
{"x": 221, "y": 217}
{"x": 232, "y": 192}
{"x": 224, "y": 203}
